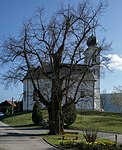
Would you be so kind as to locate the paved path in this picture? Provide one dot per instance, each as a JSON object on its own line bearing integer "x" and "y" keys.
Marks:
{"x": 13, "y": 139}
{"x": 111, "y": 136}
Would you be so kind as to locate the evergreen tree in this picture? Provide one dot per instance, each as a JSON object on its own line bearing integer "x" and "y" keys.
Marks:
{"x": 69, "y": 112}
{"x": 37, "y": 116}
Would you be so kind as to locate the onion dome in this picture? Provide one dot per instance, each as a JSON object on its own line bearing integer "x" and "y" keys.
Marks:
{"x": 92, "y": 41}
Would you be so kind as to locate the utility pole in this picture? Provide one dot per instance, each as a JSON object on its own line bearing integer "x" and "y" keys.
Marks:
{"x": 12, "y": 107}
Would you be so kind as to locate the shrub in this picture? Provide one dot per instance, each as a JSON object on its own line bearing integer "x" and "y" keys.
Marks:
{"x": 90, "y": 134}
{"x": 69, "y": 112}
{"x": 37, "y": 116}
{"x": 7, "y": 110}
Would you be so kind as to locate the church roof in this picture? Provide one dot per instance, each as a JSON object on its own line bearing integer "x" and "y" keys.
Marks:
{"x": 65, "y": 70}
{"x": 8, "y": 102}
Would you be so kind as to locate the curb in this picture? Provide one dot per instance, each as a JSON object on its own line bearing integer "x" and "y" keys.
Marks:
{"x": 58, "y": 147}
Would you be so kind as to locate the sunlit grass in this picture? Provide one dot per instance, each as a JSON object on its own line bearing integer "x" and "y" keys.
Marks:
{"x": 55, "y": 139}
{"x": 19, "y": 120}
{"x": 104, "y": 121}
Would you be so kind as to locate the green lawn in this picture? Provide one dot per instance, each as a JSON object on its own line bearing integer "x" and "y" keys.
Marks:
{"x": 105, "y": 121}
{"x": 19, "y": 120}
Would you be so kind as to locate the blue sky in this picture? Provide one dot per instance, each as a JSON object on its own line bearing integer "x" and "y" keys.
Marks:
{"x": 14, "y": 12}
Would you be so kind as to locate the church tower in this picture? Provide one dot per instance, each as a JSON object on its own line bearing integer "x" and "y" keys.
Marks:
{"x": 92, "y": 59}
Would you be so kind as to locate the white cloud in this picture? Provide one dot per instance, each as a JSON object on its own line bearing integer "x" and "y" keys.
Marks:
{"x": 115, "y": 62}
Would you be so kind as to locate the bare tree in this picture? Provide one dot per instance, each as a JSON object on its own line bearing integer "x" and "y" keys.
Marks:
{"x": 61, "y": 44}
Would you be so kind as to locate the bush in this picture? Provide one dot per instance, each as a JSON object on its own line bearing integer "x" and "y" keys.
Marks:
{"x": 37, "y": 116}
{"x": 69, "y": 112}
{"x": 90, "y": 134}
{"x": 7, "y": 110}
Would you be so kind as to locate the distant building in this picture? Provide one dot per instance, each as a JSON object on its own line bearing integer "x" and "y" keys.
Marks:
{"x": 8, "y": 105}
{"x": 89, "y": 91}
{"x": 107, "y": 103}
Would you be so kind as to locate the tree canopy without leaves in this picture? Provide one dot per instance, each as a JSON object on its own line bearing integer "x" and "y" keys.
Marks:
{"x": 58, "y": 41}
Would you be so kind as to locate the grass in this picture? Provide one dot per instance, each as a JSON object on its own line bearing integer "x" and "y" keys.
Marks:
{"x": 19, "y": 120}
{"x": 55, "y": 139}
{"x": 105, "y": 121}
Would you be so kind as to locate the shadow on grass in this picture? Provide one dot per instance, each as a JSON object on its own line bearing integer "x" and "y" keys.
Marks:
{"x": 23, "y": 134}
{"x": 31, "y": 127}
{"x": 26, "y": 125}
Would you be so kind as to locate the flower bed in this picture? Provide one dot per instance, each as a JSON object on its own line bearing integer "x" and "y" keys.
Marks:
{"x": 82, "y": 145}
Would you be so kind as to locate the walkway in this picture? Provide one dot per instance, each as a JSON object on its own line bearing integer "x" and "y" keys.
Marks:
{"x": 110, "y": 136}
{"x": 12, "y": 139}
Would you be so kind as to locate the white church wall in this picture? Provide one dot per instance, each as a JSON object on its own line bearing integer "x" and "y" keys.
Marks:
{"x": 28, "y": 95}
{"x": 86, "y": 102}
{"x": 45, "y": 87}
{"x": 43, "y": 84}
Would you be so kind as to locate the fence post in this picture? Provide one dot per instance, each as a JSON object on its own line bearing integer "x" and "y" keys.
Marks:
{"x": 116, "y": 139}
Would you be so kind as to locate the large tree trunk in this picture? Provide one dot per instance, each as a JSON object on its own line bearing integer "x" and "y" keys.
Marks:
{"x": 55, "y": 108}
{"x": 55, "y": 118}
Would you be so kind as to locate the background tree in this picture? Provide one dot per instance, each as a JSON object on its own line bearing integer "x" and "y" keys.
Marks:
{"x": 58, "y": 41}
{"x": 117, "y": 97}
